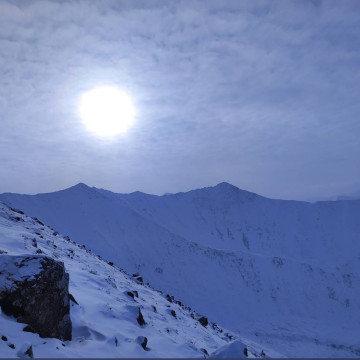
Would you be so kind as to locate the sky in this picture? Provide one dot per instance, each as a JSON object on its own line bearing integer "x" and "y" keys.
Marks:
{"x": 264, "y": 95}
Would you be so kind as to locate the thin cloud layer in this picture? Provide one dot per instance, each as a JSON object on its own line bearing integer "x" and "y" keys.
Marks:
{"x": 260, "y": 94}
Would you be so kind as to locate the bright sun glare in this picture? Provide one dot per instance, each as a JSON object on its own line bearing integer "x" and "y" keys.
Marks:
{"x": 106, "y": 111}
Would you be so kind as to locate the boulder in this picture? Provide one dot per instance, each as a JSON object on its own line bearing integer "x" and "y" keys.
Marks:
{"x": 35, "y": 290}
{"x": 203, "y": 321}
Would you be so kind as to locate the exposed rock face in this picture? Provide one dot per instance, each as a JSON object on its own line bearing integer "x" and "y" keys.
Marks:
{"x": 35, "y": 290}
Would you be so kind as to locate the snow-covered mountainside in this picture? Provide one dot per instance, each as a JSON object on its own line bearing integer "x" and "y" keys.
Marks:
{"x": 282, "y": 273}
{"x": 105, "y": 320}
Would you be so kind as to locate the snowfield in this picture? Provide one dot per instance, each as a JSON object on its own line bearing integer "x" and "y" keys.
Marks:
{"x": 105, "y": 319}
{"x": 283, "y": 274}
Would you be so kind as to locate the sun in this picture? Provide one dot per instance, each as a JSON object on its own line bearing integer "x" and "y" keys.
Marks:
{"x": 106, "y": 111}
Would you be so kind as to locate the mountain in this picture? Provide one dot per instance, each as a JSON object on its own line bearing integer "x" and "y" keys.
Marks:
{"x": 348, "y": 197}
{"x": 282, "y": 273}
{"x": 106, "y": 304}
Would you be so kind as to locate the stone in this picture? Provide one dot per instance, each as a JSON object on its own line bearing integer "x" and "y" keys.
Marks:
{"x": 129, "y": 293}
{"x": 71, "y": 297}
{"x": 35, "y": 290}
{"x": 142, "y": 340}
{"x": 29, "y": 352}
{"x": 133, "y": 294}
{"x": 140, "y": 319}
{"x": 203, "y": 321}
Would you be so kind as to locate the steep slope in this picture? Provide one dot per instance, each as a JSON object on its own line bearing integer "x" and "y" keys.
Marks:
{"x": 282, "y": 272}
{"x": 105, "y": 320}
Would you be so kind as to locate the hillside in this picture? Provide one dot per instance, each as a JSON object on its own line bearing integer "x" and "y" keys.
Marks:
{"x": 283, "y": 273}
{"x": 104, "y": 320}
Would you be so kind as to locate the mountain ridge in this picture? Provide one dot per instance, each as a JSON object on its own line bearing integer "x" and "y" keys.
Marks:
{"x": 211, "y": 246}
{"x": 105, "y": 315}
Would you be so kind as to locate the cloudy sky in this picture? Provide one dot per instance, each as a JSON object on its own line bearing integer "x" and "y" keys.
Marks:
{"x": 262, "y": 94}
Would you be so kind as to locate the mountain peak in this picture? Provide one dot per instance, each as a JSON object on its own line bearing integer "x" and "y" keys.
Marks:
{"x": 225, "y": 185}
{"x": 80, "y": 185}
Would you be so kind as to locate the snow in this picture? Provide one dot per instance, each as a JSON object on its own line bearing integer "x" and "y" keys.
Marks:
{"x": 104, "y": 322}
{"x": 284, "y": 274}
{"x": 14, "y": 272}
{"x": 233, "y": 350}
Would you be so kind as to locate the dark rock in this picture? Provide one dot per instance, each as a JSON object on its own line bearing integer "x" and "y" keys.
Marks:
{"x": 154, "y": 308}
{"x": 203, "y": 321}
{"x": 39, "y": 251}
{"x": 116, "y": 341}
{"x": 142, "y": 340}
{"x": 4, "y": 338}
{"x": 38, "y": 221}
{"x": 28, "y": 328}
{"x": 131, "y": 294}
{"x": 205, "y": 351}
{"x": 17, "y": 211}
{"x": 169, "y": 298}
{"x": 38, "y": 297}
{"x": 173, "y": 313}
{"x": 140, "y": 319}
{"x": 29, "y": 352}
{"x": 12, "y": 346}
{"x": 71, "y": 297}
{"x": 34, "y": 243}
{"x": 140, "y": 279}
{"x": 111, "y": 263}
{"x": 246, "y": 352}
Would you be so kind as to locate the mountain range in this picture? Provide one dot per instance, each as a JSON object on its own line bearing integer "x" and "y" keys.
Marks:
{"x": 285, "y": 274}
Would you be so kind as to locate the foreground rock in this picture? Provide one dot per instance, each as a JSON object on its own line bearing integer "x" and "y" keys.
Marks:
{"x": 35, "y": 290}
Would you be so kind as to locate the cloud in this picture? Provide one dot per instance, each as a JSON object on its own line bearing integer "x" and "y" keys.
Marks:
{"x": 260, "y": 94}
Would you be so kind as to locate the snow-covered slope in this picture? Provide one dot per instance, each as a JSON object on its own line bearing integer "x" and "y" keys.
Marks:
{"x": 284, "y": 273}
{"x": 105, "y": 319}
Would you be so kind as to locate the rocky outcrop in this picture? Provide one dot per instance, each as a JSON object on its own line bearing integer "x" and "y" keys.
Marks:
{"x": 203, "y": 321}
{"x": 35, "y": 290}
